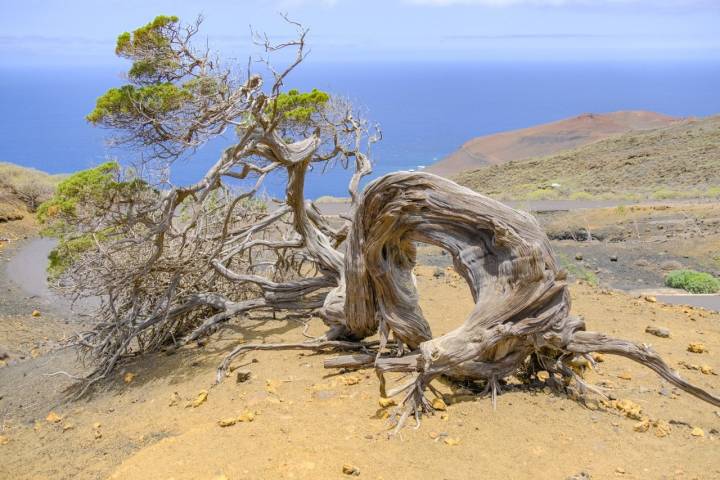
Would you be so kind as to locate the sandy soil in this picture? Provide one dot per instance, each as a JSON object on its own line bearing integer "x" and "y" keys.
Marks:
{"x": 309, "y": 422}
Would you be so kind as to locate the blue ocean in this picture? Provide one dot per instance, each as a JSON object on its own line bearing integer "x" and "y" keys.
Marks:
{"x": 426, "y": 110}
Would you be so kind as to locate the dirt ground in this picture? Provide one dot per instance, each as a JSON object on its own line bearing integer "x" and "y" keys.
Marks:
{"x": 309, "y": 422}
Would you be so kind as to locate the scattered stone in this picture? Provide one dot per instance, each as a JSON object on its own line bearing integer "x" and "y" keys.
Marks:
{"x": 650, "y": 299}
{"x": 97, "y": 425}
{"x": 542, "y": 375}
{"x": 439, "y": 404}
{"x": 697, "y": 432}
{"x": 578, "y": 256}
{"x": 620, "y": 470}
{"x": 53, "y": 417}
{"x": 199, "y": 400}
{"x": 671, "y": 265}
{"x": 452, "y": 441}
{"x": 386, "y": 402}
{"x": 707, "y": 370}
{"x": 642, "y": 426}
{"x": 351, "y": 379}
{"x": 697, "y": 347}
{"x": 662, "y": 428}
{"x": 629, "y": 408}
{"x": 128, "y": 377}
{"x": 348, "y": 469}
{"x": 242, "y": 377}
{"x": 4, "y": 440}
{"x": 68, "y": 426}
{"x": 580, "y": 476}
{"x": 246, "y": 416}
{"x": 174, "y": 399}
{"x": 36, "y": 313}
{"x": 657, "y": 331}
{"x": 227, "y": 422}
{"x": 613, "y": 258}
{"x": 598, "y": 357}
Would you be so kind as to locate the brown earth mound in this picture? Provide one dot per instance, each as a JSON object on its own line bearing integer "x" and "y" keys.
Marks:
{"x": 546, "y": 139}
{"x": 681, "y": 160}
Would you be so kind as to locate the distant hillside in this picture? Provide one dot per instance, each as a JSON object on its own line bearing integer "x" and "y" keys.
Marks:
{"x": 22, "y": 190}
{"x": 682, "y": 160}
{"x": 546, "y": 139}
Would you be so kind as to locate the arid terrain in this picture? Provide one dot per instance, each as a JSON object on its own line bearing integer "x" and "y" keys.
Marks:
{"x": 546, "y": 139}
{"x": 674, "y": 161}
{"x": 153, "y": 421}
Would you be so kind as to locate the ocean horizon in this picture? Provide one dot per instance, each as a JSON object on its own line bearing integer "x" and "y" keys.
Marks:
{"x": 426, "y": 110}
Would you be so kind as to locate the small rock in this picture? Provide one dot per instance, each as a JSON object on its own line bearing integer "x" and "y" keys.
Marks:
{"x": 199, "y": 400}
{"x": 4, "y": 440}
{"x": 227, "y": 422}
{"x": 348, "y": 469}
{"x": 620, "y": 470}
{"x": 36, "y": 313}
{"x": 625, "y": 376}
{"x": 386, "y": 402}
{"x": 650, "y": 299}
{"x": 707, "y": 370}
{"x": 439, "y": 404}
{"x": 580, "y": 476}
{"x": 452, "y": 441}
{"x": 174, "y": 399}
{"x": 438, "y": 273}
{"x": 542, "y": 375}
{"x": 642, "y": 426}
{"x": 697, "y": 347}
{"x": 246, "y": 416}
{"x": 578, "y": 256}
{"x": 697, "y": 432}
{"x": 613, "y": 258}
{"x": 53, "y": 417}
{"x": 671, "y": 265}
{"x": 128, "y": 377}
{"x": 662, "y": 428}
{"x": 598, "y": 357}
{"x": 242, "y": 377}
{"x": 657, "y": 331}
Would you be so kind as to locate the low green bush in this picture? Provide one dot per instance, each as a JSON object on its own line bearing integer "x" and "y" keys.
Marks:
{"x": 692, "y": 281}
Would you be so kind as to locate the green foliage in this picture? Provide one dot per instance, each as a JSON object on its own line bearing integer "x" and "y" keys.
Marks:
{"x": 77, "y": 199}
{"x": 692, "y": 281}
{"x": 299, "y": 107}
{"x": 67, "y": 252}
{"x": 149, "y": 100}
{"x": 149, "y": 47}
{"x": 93, "y": 185}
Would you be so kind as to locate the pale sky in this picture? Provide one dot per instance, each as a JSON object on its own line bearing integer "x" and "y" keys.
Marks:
{"x": 83, "y": 32}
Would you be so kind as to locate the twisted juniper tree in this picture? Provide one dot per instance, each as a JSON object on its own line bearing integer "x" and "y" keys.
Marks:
{"x": 176, "y": 263}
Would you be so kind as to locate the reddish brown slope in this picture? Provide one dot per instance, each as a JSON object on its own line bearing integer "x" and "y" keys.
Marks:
{"x": 546, "y": 139}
